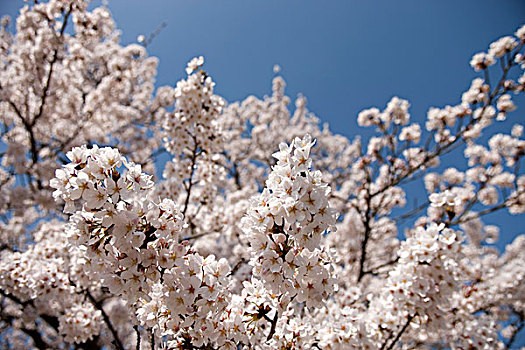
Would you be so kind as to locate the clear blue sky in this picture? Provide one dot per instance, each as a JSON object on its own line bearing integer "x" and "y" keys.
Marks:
{"x": 343, "y": 55}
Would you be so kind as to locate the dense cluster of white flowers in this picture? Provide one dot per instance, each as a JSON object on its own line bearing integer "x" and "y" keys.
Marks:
{"x": 194, "y": 120}
{"x": 267, "y": 231}
{"x": 284, "y": 227}
{"x": 190, "y": 301}
{"x": 126, "y": 238}
{"x": 44, "y": 277}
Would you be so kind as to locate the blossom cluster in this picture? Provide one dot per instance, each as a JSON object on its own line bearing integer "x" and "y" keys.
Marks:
{"x": 48, "y": 275}
{"x": 425, "y": 276}
{"x": 126, "y": 237}
{"x": 194, "y": 120}
{"x": 189, "y": 302}
{"x": 285, "y": 225}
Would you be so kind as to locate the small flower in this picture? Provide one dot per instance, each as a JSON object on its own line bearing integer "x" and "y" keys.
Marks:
{"x": 195, "y": 64}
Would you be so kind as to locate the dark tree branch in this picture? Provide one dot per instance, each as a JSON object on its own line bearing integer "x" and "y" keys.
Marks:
{"x": 367, "y": 219}
{"x": 273, "y": 323}
{"x": 37, "y": 338}
{"x": 152, "y": 338}
{"x": 51, "y": 67}
{"x": 190, "y": 181}
{"x": 137, "y": 330}
{"x": 98, "y": 305}
{"x": 15, "y": 299}
{"x": 462, "y": 219}
{"x": 388, "y": 263}
{"x": 398, "y": 336}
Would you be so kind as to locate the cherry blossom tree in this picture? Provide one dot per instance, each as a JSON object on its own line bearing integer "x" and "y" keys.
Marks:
{"x": 265, "y": 230}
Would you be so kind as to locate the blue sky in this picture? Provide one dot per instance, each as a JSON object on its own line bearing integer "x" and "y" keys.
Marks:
{"x": 343, "y": 55}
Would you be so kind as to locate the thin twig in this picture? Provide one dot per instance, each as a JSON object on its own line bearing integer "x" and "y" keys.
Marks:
{"x": 412, "y": 212}
{"x": 199, "y": 235}
{"x": 388, "y": 263}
